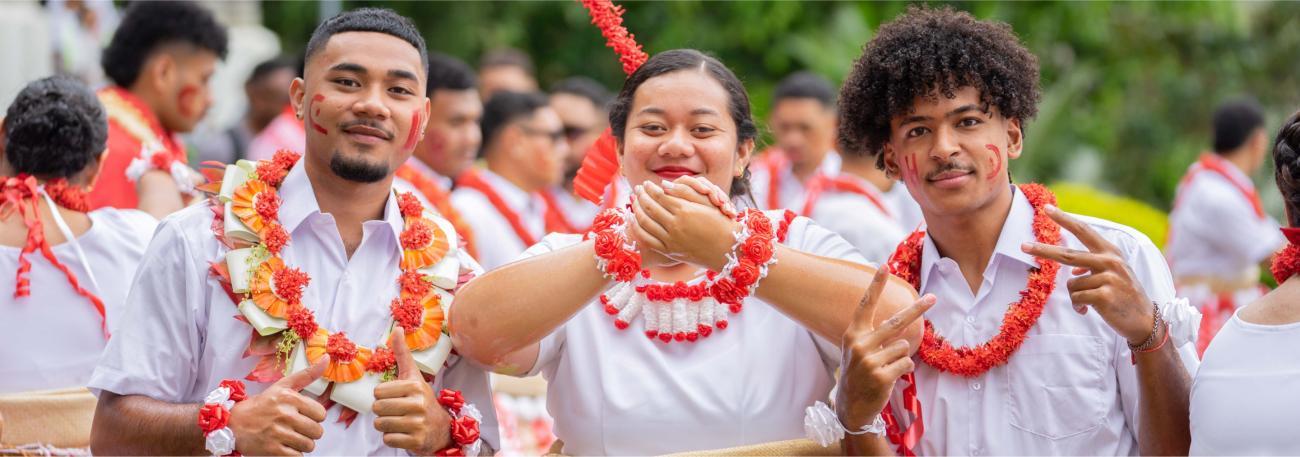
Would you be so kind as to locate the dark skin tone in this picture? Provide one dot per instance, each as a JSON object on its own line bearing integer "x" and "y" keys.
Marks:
{"x": 372, "y": 89}
{"x": 942, "y": 151}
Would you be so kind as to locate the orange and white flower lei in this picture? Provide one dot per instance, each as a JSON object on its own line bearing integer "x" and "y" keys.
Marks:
{"x": 269, "y": 292}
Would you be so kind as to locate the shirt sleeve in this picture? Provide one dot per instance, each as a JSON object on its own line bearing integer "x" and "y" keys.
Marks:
{"x": 550, "y": 346}
{"x": 1226, "y": 220}
{"x": 1152, "y": 273}
{"x": 807, "y": 236}
{"x": 155, "y": 351}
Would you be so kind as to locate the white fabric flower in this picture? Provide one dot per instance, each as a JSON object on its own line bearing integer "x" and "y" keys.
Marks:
{"x": 218, "y": 396}
{"x": 821, "y": 425}
{"x": 221, "y": 442}
{"x": 1184, "y": 320}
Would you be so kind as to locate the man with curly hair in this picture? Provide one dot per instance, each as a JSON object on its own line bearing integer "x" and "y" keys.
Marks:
{"x": 1052, "y": 333}
{"x": 160, "y": 61}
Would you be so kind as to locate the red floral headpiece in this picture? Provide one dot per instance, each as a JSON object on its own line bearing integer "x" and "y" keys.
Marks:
{"x": 601, "y": 161}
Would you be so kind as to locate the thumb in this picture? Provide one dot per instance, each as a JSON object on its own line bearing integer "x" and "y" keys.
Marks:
{"x": 304, "y": 378}
{"x": 406, "y": 368}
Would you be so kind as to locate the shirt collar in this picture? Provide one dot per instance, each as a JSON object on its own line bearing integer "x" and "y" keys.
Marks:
{"x": 428, "y": 172}
{"x": 1017, "y": 230}
{"x": 298, "y": 202}
{"x": 519, "y": 200}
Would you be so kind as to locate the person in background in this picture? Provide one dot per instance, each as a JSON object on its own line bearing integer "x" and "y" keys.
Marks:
{"x": 803, "y": 125}
{"x": 523, "y": 142}
{"x": 1219, "y": 233}
{"x": 267, "y": 90}
{"x": 505, "y": 70}
{"x": 581, "y": 103}
{"x": 159, "y": 61}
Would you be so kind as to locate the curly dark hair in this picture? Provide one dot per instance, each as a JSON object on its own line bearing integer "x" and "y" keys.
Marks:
{"x": 55, "y": 128}
{"x": 927, "y": 50}
{"x": 146, "y": 26}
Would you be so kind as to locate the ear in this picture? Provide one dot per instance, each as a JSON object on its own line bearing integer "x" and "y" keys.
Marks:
{"x": 428, "y": 111}
{"x": 891, "y": 160}
{"x": 743, "y": 154}
{"x": 163, "y": 68}
{"x": 297, "y": 95}
{"x": 1015, "y": 138}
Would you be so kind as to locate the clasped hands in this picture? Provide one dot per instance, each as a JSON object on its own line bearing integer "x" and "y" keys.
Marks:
{"x": 687, "y": 220}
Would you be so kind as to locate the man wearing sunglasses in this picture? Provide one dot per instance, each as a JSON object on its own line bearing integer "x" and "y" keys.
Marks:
{"x": 581, "y": 104}
{"x": 524, "y": 146}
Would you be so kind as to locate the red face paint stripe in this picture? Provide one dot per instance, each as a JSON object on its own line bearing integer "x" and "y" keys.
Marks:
{"x": 909, "y": 169}
{"x": 311, "y": 118}
{"x": 414, "y": 135}
{"x": 185, "y": 98}
{"x": 996, "y": 161}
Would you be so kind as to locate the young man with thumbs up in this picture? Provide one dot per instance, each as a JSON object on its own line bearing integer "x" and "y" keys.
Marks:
{"x": 212, "y": 355}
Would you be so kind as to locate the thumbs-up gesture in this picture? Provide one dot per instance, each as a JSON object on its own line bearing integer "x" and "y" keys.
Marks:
{"x": 407, "y": 408}
{"x": 280, "y": 420}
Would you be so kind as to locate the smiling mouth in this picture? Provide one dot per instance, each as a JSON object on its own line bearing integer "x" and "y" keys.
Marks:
{"x": 671, "y": 173}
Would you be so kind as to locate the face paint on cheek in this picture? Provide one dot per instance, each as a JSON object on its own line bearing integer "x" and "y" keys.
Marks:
{"x": 910, "y": 174}
{"x": 311, "y": 116}
{"x": 413, "y": 136}
{"x": 186, "y": 99}
{"x": 995, "y": 161}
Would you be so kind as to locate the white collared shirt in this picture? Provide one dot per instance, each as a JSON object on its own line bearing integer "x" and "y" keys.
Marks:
{"x": 180, "y": 338}
{"x": 859, "y": 221}
{"x": 618, "y": 393}
{"x": 1071, "y": 388}
{"x": 494, "y": 239}
{"x": 52, "y": 339}
{"x": 1214, "y": 229}
{"x": 792, "y": 191}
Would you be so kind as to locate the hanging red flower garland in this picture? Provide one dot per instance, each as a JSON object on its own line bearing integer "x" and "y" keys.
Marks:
{"x": 974, "y": 361}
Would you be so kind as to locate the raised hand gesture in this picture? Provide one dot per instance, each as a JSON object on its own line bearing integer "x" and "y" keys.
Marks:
{"x": 280, "y": 420}
{"x": 407, "y": 408}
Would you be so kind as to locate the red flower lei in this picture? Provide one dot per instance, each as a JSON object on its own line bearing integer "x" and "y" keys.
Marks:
{"x": 1020, "y": 317}
{"x": 289, "y": 283}
{"x": 1287, "y": 261}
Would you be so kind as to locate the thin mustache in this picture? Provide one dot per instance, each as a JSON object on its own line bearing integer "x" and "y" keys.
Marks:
{"x": 950, "y": 166}
{"x": 368, "y": 123}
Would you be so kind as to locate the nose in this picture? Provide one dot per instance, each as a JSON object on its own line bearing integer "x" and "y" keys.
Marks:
{"x": 945, "y": 144}
{"x": 371, "y": 104}
{"x": 678, "y": 144}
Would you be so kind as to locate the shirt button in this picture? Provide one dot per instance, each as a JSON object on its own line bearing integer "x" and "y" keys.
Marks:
{"x": 975, "y": 452}
{"x": 976, "y": 386}
{"x": 970, "y": 319}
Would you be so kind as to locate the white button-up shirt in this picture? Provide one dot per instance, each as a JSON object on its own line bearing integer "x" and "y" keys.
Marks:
{"x": 859, "y": 221}
{"x": 495, "y": 240}
{"x": 792, "y": 190}
{"x": 1071, "y": 388}
{"x": 180, "y": 336}
{"x": 616, "y": 392}
{"x": 1214, "y": 229}
{"x": 52, "y": 338}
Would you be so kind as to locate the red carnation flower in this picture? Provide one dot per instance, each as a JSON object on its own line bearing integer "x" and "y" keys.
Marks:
{"x": 285, "y": 158}
{"x": 289, "y": 284}
{"x": 302, "y": 322}
{"x": 340, "y": 348}
{"x": 267, "y": 205}
{"x": 417, "y": 235}
{"x": 274, "y": 237}
{"x": 413, "y": 284}
{"x": 381, "y": 361}
{"x": 213, "y": 417}
{"x": 410, "y": 205}
{"x": 407, "y": 312}
{"x": 271, "y": 173}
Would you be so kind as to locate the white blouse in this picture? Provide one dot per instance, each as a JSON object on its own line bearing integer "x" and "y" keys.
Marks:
{"x": 52, "y": 338}
{"x": 1245, "y": 398}
{"x": 618, "y": 392}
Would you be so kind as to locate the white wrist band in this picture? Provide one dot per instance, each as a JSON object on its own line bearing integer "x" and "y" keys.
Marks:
{"x": 821, "y": 425}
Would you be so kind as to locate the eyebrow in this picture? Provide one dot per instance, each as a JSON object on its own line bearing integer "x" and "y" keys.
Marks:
{"x": 694, "y": 112}
{"x": 960, "y": 110}
{"x": 355, "y": 68}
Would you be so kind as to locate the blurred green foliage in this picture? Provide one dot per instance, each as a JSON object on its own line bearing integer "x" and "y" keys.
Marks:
{"x": 1085, "y": 200}
{"x": 1128, "y": 86}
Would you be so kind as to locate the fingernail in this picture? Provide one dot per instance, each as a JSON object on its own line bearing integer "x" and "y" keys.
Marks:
{"x": 640, "y": 188}
{"x": 1051, "y": 208}
{"x": 1026, "y": 247}
{"x": 668, "y": 184}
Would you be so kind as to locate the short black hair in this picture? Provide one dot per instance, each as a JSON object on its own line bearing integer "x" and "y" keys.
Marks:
{"x": 506, "y": 107}
{"x": 927, "y": 50}
{"x": 148, "y": 25}
{"x": 1286, "y": 164}
{"x": 449, "y": 73}
{"x": 584, "y": 87}
{"x": 267, "y": 67}
{"x": 506, "y": 57}
{"x": 55, "y": 128}
{"x": 378, "y": 20}
{"x": 805, "y": 84}
{"x": 1234, "y": 122}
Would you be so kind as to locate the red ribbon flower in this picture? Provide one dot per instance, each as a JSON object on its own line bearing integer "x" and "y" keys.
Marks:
{"x": 727, "y": 292}
{"x": 451, "y": 399}
{"x": 236, "y": 389}
{"x": 464, "y": 430}
{"x": 745, "y": 274}
{"x": 213, "y": 417}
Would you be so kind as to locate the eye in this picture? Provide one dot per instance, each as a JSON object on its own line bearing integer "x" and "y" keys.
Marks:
{"x": 703, "y": 130}
{"x": 652, "y": 128}
{"x": 346, "y": 82}
{"x": 917, "y": 131}
{"x": 970, "y": 122}
{"x": 402, "y": 90}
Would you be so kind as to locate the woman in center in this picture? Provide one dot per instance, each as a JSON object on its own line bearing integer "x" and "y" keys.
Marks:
{"x": 674, "y": 326}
